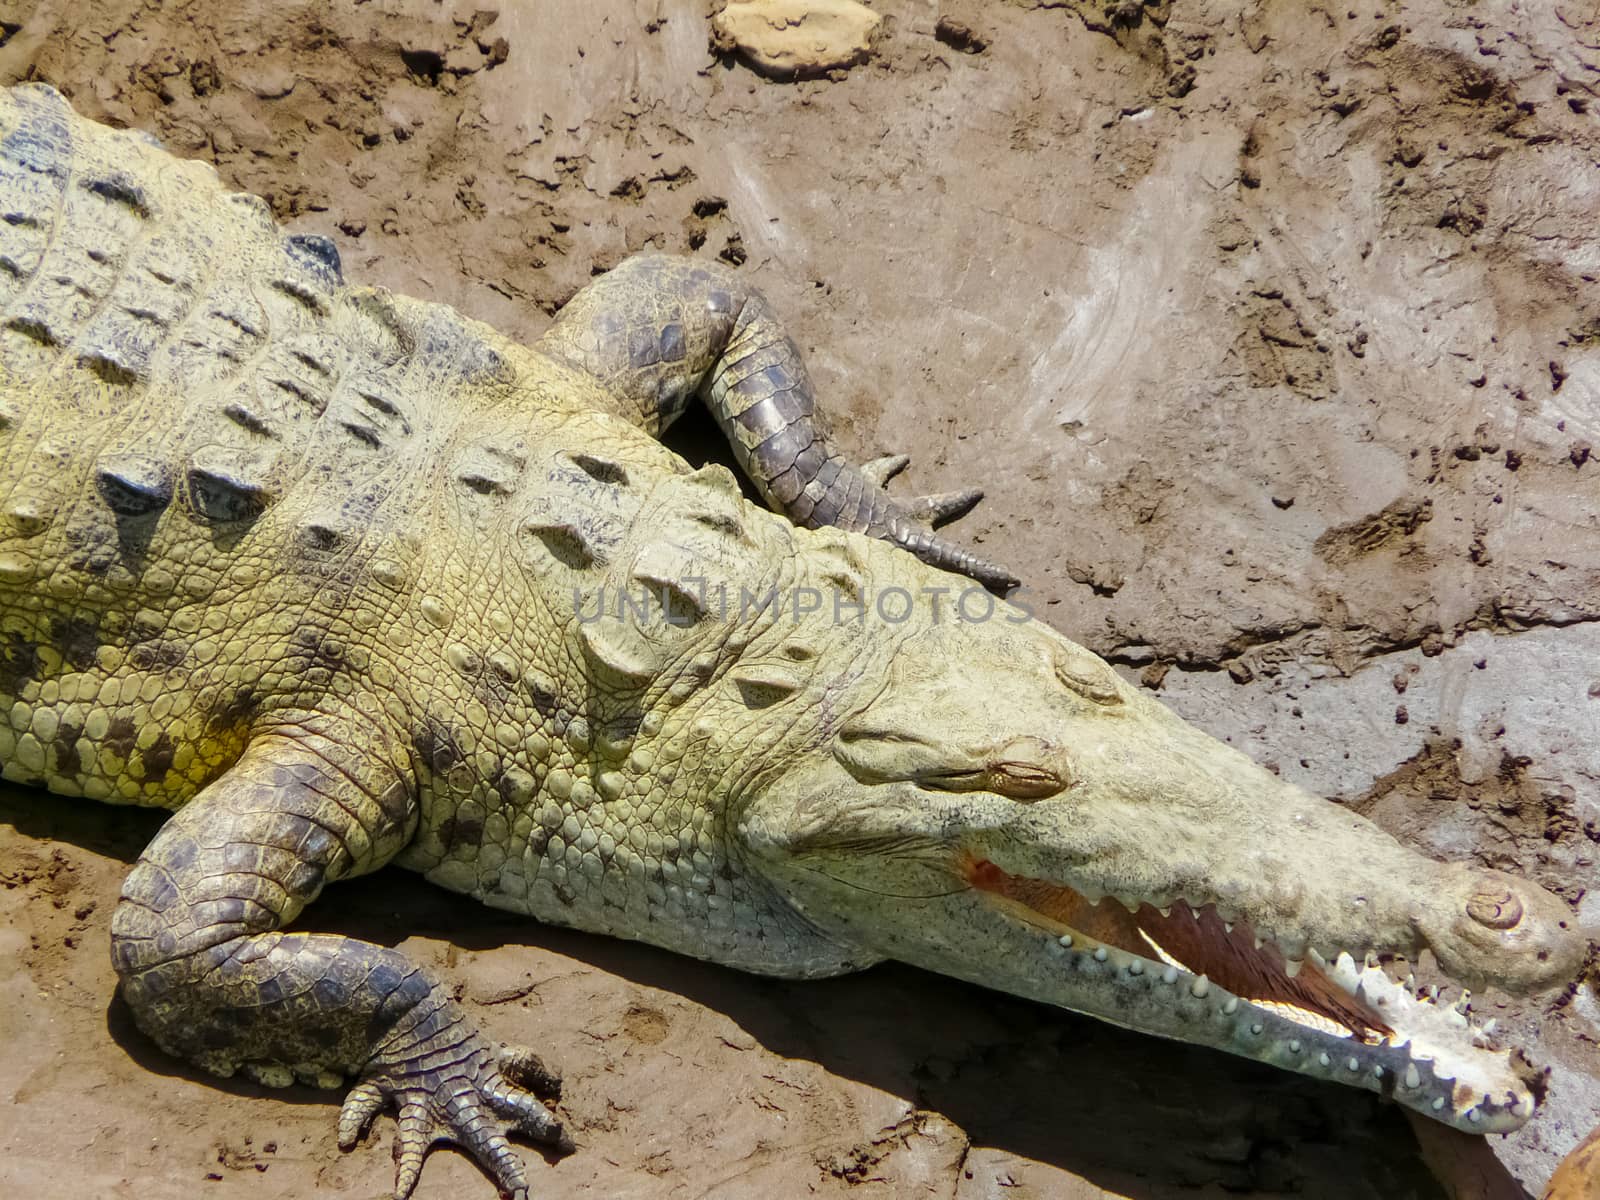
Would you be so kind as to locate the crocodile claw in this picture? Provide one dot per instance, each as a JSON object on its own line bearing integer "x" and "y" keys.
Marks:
{"x": 915, "y": 520}
{"x": 450, "y": 1088}
{"x": 881, "y": 470}
{"x": 940, "y": 507}
{"x": 933, "y": 509}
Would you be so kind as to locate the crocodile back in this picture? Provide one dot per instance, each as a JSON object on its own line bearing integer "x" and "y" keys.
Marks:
{"x": 219, "y": 466}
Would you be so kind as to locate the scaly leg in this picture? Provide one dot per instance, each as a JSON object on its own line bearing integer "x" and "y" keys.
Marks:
{"x": 209, "y": 976}
{"x": 659, "y": 330}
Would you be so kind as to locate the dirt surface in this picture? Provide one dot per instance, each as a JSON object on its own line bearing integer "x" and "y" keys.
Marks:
{"x": 1275, "y": 341}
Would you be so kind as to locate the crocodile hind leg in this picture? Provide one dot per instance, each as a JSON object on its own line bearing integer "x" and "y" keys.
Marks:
{"x": 659, "y": 330}
{"x": 197, "y": 942}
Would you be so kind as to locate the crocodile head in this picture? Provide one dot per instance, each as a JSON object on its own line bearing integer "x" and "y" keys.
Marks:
{"x": 988, "y": 800}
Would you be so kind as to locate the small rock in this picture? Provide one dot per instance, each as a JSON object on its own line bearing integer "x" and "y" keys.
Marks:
{"x": 480, "y": 21}
{"x": 1578, "y": 1175}
{"x": 267, "y": 81}
{"x": 204, "y": 77}
{"x": 791, "y": 39}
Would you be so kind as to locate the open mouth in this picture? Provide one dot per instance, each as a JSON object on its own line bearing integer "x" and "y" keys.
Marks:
{"x": 1338, "y": 1017}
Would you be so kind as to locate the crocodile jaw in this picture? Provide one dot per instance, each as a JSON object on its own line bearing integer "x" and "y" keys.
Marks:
{"x": 1429, "y": 1056}
{"x": 983, "y": 829}
{"x": 1434, "y": 1060}
{"x": 1341, "y": 1020}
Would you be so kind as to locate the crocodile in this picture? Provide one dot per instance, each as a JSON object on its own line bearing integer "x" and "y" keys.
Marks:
{"x": 343, "y": 578}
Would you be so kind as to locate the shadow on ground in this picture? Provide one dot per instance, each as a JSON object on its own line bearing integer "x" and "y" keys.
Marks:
{"x": 1150, "y": 1119}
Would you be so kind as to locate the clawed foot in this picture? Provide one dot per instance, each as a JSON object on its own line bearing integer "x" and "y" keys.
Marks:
{"x": 881, "y": 470}
{"x": 451, "y": 1086}
{"x": 935, "y": 509}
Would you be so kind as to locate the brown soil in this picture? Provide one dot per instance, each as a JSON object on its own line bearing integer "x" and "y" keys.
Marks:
{"x": 1275, "y": 341}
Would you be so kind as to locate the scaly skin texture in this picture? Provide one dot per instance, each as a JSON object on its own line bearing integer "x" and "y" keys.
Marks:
{"x": 659, "y": 329}
{"x": 344, "y": 579}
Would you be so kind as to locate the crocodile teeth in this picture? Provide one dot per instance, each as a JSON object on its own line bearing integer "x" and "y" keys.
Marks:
{"x": 1344, "y": 971}
{"x": 1402, "y": 1020}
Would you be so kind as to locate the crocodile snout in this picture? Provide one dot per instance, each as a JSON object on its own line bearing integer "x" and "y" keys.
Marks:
{"x": 1503, "y": 930}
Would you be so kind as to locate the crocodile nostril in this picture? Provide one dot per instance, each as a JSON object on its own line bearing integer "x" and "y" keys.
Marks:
{"x": 1497, "y": 908}
{"x": 1028, "y": 768}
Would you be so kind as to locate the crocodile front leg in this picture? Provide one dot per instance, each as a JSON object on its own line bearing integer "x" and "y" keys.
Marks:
{"x": 659, "y": 330}
{"x": 209, "y": 976}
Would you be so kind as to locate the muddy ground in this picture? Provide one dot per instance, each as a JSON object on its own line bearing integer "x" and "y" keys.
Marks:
{"x": 1275, "y": 342}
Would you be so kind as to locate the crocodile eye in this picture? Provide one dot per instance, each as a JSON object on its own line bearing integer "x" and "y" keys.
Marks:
{"x": 1028, "y": 769}
{"x": 1088, "y": 676}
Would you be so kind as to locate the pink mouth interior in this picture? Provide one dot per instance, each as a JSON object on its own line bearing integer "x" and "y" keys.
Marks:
{"x": 1195, "y": 937}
